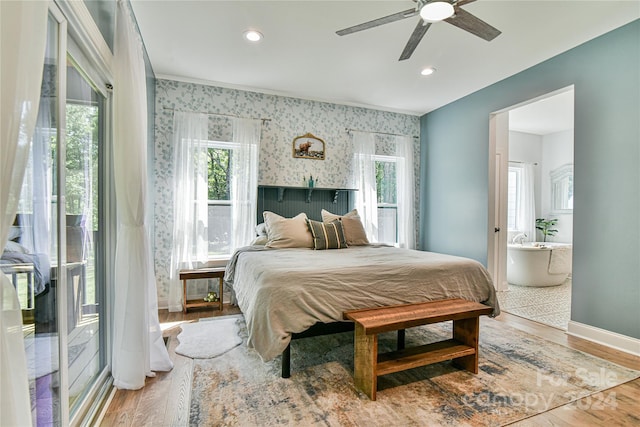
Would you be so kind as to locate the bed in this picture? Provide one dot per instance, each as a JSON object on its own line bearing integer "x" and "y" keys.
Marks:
{"x": 16, "y": 259}
{"x": 285, "y": 291}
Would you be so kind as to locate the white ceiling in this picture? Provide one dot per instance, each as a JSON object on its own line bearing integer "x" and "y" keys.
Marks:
{"x": 544, "y": 116}
{"x": 301, "y": 56}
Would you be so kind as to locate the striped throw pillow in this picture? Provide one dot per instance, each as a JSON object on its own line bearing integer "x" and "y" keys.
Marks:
{"x": 327, "y": 235}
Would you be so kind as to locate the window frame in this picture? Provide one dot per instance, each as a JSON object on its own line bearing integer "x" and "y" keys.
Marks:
{"x": 376, "y": 158}
{"x": 514, "y": 226}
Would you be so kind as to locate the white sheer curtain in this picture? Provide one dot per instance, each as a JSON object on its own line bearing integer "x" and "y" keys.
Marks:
{"x": 23, "y": 37}
{"x": 39, "y": 178}
{"x": 405, "y": 192}
{"x": 244, "y": 181}
{"x": 138, "y": 348}
{"x": 526, "y": 218}
{"x": 365, "y": 172}
{"x": 190, "y": 201}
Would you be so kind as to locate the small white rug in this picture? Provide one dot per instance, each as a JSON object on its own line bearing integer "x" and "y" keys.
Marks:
{"x": 209, "y": 338}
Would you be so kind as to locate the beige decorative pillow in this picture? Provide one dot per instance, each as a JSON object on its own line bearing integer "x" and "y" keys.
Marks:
{"x": 287, "y": 232}
{"x": 352, "y": 226}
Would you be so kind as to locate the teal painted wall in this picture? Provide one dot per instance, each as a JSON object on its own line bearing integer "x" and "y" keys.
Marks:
{"x": 606, "y": 253}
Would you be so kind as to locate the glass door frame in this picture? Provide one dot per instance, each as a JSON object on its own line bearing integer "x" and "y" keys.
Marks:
{"x": 74, "y": 21}
{"x": 61, "y": 291}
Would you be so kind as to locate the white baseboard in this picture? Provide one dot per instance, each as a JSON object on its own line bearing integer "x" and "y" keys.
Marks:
{"x": 604, "y": 337}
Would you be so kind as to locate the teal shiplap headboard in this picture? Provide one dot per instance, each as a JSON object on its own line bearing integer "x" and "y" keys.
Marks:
{"x": 290, "y": 201}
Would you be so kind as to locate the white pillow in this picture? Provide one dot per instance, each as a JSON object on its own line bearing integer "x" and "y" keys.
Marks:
{"x": 261, "y": 229}
{"x": 287, "y": 232}
{"x": 14, "y": 233}
{"x": 351, "y": 224}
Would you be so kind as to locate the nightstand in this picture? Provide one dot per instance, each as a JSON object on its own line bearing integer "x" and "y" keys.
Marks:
{"x": 201, "y": 273}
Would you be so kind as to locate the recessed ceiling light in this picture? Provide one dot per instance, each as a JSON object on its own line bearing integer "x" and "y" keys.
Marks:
{"x": 253, "y": 35}
{"x": 428, "y": 71}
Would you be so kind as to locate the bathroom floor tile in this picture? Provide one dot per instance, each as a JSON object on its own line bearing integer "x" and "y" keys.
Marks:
{"x": 540, "y": 309}
{"x": 549, "y": 305}
{"x": 558, "y": 320}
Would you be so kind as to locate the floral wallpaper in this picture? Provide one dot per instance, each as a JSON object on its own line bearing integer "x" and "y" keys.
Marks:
{"x": 285, "y": 119}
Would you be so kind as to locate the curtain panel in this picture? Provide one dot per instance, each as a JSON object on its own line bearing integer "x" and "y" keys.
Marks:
{"x": 364, "y": 148}
{"x": 244, "y": 184}
{"x": 405, "y": 192}
{"x": 526, "y": 203}
{"x": 23, "y": 38}
{"x": 190, "y": 199}
{"x": 138, "y": 348}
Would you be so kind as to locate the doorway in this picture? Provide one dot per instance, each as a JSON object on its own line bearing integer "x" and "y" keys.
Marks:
{"x": 532, "y": 207}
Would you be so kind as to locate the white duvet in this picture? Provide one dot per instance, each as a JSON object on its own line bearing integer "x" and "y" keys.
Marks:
{"x": 284, "y": 291}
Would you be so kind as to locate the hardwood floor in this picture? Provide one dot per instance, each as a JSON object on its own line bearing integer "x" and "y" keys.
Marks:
{"x": 164, "y": 401}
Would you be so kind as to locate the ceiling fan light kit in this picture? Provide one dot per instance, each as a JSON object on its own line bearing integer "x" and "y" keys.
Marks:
{"x": 453, "y": 14}
{"x": 436, "y": 11}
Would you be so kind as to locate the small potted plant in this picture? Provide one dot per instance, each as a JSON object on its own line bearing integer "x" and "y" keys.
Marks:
{"x": 545, "y": 225}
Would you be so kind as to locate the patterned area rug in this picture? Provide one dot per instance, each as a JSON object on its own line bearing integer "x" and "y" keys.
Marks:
{"x": 520, "y": 375}
{"x": 550, "y": 305}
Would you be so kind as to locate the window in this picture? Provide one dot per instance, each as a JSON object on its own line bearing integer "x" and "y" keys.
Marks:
{"x": 513, "y": 198}
{"x": 219, "y": 158}
{"x": 387, "y": 198}
{"x": 384, "y": 176}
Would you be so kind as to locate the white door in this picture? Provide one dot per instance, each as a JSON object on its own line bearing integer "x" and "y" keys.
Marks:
{"x": 497, "y": 232}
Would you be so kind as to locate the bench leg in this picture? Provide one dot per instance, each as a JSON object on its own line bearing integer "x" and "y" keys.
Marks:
{"x": 466, "y": 331}
{"x": 365, "y": 361}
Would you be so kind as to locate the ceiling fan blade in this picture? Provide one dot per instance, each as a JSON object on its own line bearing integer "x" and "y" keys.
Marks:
{"x": 377, "y": 22}
{"x": 468, "y": 22}
{"x": 416, "y": 36}
{"x": 463, "y": 2}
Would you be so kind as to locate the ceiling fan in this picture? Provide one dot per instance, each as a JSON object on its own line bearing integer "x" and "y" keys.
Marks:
{"x": 431, "y": 11}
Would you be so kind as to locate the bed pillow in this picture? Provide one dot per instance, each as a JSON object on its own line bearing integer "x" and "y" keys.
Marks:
{"x": 352, "y": 226}
{"x": 14, "y": 233}
{"x": 15, "y": 247}
{"x": 260, "y": 241}
{"x": 287, "y": 232}
{"x": 261, "y": 229}
{"x": 327, "y": 235}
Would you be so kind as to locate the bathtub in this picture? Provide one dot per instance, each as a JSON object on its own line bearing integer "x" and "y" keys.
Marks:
{"x": 529, "y": 264}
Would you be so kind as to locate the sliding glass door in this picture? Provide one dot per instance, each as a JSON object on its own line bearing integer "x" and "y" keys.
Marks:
{"x": 84, "y": 146}
{"x": 31, "y": 255}
{"x": 55, "y": 256}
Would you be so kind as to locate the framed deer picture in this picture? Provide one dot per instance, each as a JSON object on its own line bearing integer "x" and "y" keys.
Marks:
{"x": 308, "y": 146}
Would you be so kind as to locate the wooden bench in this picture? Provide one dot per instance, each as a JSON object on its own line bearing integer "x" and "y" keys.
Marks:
{"x": 201, "y": 273}
{"x": 462, "y": 348}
